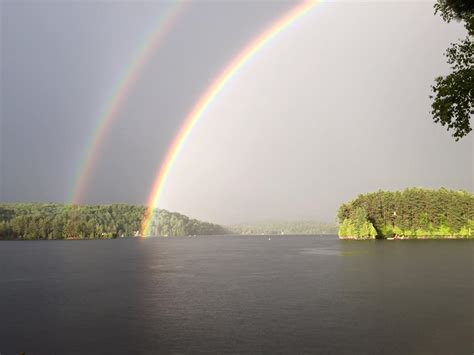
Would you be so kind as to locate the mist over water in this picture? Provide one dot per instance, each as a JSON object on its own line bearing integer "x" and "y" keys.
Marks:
{"x": 236, "y": 294}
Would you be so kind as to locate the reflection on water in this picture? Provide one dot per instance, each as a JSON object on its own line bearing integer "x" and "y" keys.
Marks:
{"x": 236, "y": 294}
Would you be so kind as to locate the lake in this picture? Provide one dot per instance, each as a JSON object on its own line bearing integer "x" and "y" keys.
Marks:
{"x": 236, "y": 294}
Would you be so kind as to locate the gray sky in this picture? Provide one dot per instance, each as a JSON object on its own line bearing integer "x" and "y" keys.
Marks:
{"x": 335, "y": 106}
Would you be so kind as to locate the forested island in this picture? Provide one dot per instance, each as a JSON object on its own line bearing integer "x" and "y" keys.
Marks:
{"x": 285, "y": 227}
{"x": 58, "y": 221}
{"x": 414, "y": 213}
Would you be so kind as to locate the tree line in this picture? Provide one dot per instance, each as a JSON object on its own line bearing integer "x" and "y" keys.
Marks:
{"x": 285, "y": 227}
{"x": 58, "y": 221}
{"x": 412, "y": 213}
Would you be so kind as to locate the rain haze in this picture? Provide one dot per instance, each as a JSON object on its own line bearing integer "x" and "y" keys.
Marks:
{"x": 336, "y": 105}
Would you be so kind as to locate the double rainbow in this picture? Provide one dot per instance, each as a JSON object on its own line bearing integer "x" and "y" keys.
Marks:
{"x": 208, "y": 97}
{"x": 119, "y": 95}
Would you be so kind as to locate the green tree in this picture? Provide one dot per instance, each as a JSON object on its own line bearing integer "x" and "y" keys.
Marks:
{"x": 410, "y": 213}
{"x": 453, "y": 94}
{"x": 357, "y": 224}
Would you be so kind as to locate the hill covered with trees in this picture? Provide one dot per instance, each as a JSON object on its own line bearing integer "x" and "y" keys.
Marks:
{"x": 285, "y": 227}
{"x": 57, "y": 221}
{"x": 412, "y": 213}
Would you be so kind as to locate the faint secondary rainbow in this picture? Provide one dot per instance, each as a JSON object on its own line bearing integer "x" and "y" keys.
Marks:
{"x": 208, "y": 97}
{"x": 119, "y": 95}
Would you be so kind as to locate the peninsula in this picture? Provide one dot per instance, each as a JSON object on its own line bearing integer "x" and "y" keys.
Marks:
{"x": 414, "y": 213}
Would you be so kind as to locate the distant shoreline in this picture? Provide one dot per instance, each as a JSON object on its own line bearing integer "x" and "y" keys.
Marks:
{"x": 413, "y": 238}
{"x": 182, "y": 236}
{"x": 249, "y": 236}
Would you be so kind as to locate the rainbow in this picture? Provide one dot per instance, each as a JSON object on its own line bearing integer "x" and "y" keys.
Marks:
{"x": 119, "y": 95}
{"x": 208, "y": 97}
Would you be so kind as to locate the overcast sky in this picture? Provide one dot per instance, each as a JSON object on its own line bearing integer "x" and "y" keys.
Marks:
{"x": 335, "y": 106}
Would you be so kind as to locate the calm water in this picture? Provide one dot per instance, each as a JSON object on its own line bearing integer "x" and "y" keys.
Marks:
{"x": 236, "y": 295}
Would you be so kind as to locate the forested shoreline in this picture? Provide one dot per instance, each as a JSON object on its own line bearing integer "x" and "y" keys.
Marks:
{"x": 43, "y": 221}
{"x": 303, "y": 227}
{"x": 412, "y": 213}
{"x": 57, "y": 221}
